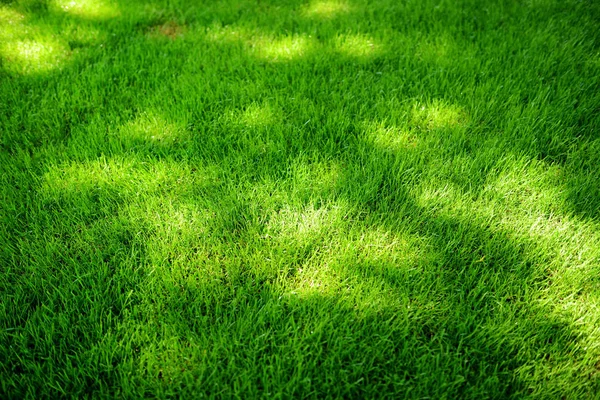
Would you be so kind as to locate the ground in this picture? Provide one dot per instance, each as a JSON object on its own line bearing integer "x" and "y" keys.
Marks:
{"x": 308, "y": 199}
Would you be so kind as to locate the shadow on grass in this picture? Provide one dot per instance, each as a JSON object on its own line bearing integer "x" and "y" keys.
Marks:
{"x": 279, "y": 213}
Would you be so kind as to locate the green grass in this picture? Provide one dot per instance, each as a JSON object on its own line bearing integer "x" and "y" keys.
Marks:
{"x": 308, "y": 199}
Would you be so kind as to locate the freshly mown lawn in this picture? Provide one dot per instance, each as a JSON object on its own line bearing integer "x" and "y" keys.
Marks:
{"x": 300, "y": 199}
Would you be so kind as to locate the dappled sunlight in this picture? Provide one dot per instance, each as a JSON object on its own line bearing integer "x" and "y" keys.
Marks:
{"x": 228, "y": 34}
{"x": 390, "y": 138}
{"x": 273, "y": 48}
{"x": 33, "y": 56}
{"x": 315, "y": 178}
{"x": 522, "y": 198}
{"x": 257, "y": 115}
{"x": 438, "y": 115}
{"x": 9, "y": 17}
{"x": 533, "y": 207}
{"x": 367, "y": 269}
{"x": 529, "y": 187}
{"x": 321, "y": 279}
{"x": 524, "y": 201}
{"x": 104, "y": 177}
{"x": 179, "y": 239}
{"x": 432, "y": 195}
{"x": 332, "y": 254}
{"x": 162, "y": 199}
{"x": 151, "y": 127}
{"x": 291, "y": 223}
{"x": 359, "y": 47}
{"x": 281, "y": 49}
{"x": 26, "y": 48}
{"x": 33, "y": 46}
{"x": 88, "y": 9}
{"x": 386, "y": 258}
{"x": 326, "y": 9}
{"x": 252, "y": 128}
{"x": 121, "y": 179}
{"x": 293, "y": 47}
{"x": 292, "y": 199}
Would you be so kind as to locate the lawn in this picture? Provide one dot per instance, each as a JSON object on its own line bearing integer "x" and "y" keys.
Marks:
{"x": 300, "y": 199}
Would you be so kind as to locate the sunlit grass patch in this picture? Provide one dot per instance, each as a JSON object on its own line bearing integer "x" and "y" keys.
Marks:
{"x": 378, "y": 251}
{"x": 9, "y": 17}
{"x": 391, "y": 138}
{"x": 359, "y": 47}
{"x": 150, "y": 127}
{"x": 216, "y": 33}
{"x": 434, "y": 196}
{"x": 26, "y": 48}
{"x": 438, "y": 115}
{"x": 253, "y": 129}
{"x": 114, "y": 182}
{"x": 88, "y": 9}
{"x": 306, "y": 223}
{"x": 368, "y": 270}
{"x": 308, "y": 235}
{"x": 33, "y": 56}
{"x": 33, "y": 46}
{"x": 179, "y": 239}
{"x": 524, "y": 201}
{"x": 326, "y": 9}
{"x": 258, "y": 116}
{"x": 316, "y": 179}
{"x": 524, "y": 190}
{"x": 282, "y": 49}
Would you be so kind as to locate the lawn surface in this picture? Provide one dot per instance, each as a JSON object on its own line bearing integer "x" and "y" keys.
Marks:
{"x": 309, "y": 199}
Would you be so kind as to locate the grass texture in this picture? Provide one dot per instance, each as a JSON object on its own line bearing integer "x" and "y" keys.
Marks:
{"x": 300, "y": 199}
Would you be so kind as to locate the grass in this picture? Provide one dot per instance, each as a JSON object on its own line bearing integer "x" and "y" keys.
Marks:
{"x": 313, "y": 199}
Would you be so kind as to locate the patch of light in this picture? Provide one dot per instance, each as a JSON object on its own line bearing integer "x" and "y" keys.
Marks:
{"x": 262, "y": 46}
{"x": 302, "y": 224}
{"x": 438, "y": 115}
{"x": 31, "y": 56}
{"x": 120, "y": 178}
{"x": 8, "y": 17}
{"x": 436, "y": 196}
{"x": 326, "y": 9}
{"x": 89, "y": 9}
{"x": 316, "y": 177}
{"x": 176, "y": 225}
{"x": 152, "y": 128}
{"x": 390, "y": 138}
{"x": 378, "y": 252}
{"x": 356, "y": 46}
{"x": 258, "y": 115}
{"x": 227, "y": 34}
{"x": 281, "y": 49}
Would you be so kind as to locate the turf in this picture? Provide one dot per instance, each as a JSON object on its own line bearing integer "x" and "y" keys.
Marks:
{"x": 307, "y": 199}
